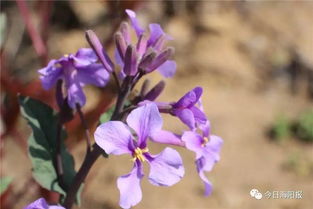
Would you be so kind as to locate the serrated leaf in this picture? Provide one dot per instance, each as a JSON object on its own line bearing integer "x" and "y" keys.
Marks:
{"x": 42, "y": 145}
{"x": 4, "y": 184}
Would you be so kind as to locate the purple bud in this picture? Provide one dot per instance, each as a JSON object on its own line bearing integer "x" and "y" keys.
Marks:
{"x": 142, "y": 44}
{"x": 144, "y": 87}
{"x": 160, "y": 59}
{"x": 147, "y": 60}
{"x": 120, "y": 44}
{"x": 130, "y": 67}
{"x": 124, "y": 29}
{"x": 94, "y": 42}
{"x": 155, "y": 91}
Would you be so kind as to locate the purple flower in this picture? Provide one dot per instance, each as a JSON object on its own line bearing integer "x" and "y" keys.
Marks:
{"x": 187, "y": 111}
{"x": 42, "y": 204}
{"x": 75, "y": 71}
{"x": 207, "y": 148}
{"x": 116, "y": 138}
{"x": 148, "y": 55}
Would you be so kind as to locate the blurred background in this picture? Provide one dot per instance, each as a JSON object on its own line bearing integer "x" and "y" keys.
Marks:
{"x": 254, "y": 60}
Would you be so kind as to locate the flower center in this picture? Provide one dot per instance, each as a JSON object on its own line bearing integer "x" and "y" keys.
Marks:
{"x": 138, "y": 154}
{"x": 66, "y": 55}
{"x": 205, "y": 141}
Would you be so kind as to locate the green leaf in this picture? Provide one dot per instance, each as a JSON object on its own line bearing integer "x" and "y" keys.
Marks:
{"x": 4, "y": 184}
{"x": 105, "y": 117}
{"x": 42, "y": 145}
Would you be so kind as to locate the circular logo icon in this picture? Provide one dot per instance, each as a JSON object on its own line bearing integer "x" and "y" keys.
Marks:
{"x": 253, "y": 192}
{"x": 258, "y": 196}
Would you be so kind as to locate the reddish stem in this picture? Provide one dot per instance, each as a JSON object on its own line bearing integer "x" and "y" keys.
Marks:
{"x": 38, "y": 43}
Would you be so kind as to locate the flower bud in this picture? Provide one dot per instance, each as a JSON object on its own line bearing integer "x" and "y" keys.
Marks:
{"x": 95, "y": 44}
{"x": 130, "y": 61}
{"x": 142, "y": 44}
{"x": 147, "y": 60}
{"x": 121, "y": 44}
{"x": 155, "y": 91}
{"x": 160, "y": 59}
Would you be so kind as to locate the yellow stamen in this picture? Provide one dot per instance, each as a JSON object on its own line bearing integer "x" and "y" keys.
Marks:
{"x": 138, "y": 154}
{"x": 65, "y": 55}
{"x": 205, "y": 141}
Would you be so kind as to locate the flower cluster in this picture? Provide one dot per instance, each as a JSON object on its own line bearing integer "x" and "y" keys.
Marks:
{"x": 148, "y": 54}
{"x": 133, "y": 125}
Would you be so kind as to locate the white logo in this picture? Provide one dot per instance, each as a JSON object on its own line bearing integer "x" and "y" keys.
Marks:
{"x": 256, "y": 194}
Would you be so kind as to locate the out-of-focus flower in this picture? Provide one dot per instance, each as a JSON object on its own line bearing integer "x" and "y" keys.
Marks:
{"x": 114, "y": 137}
{"x": 148, "y": 54}
{"x": 42, "y": 204}
{"x": 207, "y": 148}
{"x": 76, "y": 71}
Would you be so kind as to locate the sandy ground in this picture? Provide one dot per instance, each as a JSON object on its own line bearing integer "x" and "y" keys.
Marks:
{"x": 229, "y": 62}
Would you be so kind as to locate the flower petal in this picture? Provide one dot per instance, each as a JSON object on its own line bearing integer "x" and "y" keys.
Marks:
{"x": 200, "y": 117}
{"x": 86, "y": 54}
{"x": 193, "y": 142}
{"x": 129, "y": 187}
{"x": 168, "y": 68}
{"x": 145, "y": 120}
{"x": 38, "y": 204}
{"x": 210, "y": 153}
{"x": 190, "y": 98}
{"x": 93, "y": 74}
{"x": 207, "y": 184}
{"x": 132, "y": 15}
{"x": 55, "y": 207}
{"x": 75, "y": 94}
{"x": 155, "y": 32}
{"x": 167, "y": 137}
{"x": 205, "y": 128}
{"x": 166, "y": 168}
{"x": 50, "y": 74}
{"x": 186, "y": 116}
{"x": 213, "y": 147}
{"x": 114, "y": 138}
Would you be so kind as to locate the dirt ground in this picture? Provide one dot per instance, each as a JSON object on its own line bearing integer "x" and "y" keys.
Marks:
{"x": 235, "y": 52}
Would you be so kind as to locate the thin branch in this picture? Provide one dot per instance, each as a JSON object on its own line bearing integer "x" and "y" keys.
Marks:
{"x": 118, "y": 84}
{"x": 58, "y": 158}
{"x": 83, "y": 121}
{"x": 94, "y": 154}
